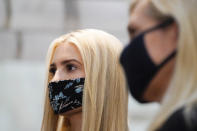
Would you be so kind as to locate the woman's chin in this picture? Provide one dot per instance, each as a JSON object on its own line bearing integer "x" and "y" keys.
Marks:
{"x": 72, "y": 112}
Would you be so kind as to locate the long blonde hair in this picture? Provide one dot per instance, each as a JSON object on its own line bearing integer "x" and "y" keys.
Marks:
{"x": 183, "y": 87}
{"x": 105, "y": 96}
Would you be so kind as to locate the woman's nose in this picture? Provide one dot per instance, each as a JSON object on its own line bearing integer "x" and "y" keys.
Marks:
{"x": 59, "y": 75}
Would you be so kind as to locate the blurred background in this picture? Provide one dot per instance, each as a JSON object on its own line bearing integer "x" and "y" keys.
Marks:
{"x": 27, "y": 28}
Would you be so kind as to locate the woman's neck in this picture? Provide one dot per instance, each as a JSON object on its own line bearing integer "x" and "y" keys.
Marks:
{"x": 75, "y": 121}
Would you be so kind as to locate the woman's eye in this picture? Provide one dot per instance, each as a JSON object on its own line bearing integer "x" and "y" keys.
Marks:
{"x": 70, "y": 67}
{"x": 131, "y": 31}
{"x": 52, "y": 70}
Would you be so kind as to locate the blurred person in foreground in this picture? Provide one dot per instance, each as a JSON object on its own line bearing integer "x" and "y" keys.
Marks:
{"x": 160, "y": 62}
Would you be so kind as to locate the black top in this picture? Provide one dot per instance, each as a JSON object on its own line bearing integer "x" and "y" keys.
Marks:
{"x": 177, "y": 122}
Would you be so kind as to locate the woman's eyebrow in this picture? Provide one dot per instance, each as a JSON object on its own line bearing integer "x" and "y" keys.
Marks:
{"x": 65, "y": 62}
{"x": 70, "y": 60}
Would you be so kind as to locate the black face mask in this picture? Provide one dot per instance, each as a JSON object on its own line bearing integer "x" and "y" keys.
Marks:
{"x": 138, "y": 66}
{"x": 66, "y": 95}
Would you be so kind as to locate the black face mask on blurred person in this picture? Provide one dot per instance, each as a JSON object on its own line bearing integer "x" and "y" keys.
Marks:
{"x": 66, "y": 95}
{"x": 138, "y": 66}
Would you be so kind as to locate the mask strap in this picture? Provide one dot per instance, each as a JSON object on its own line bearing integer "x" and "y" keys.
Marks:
{"x": 167, "y": 59}
{"x": 162, "y": 25}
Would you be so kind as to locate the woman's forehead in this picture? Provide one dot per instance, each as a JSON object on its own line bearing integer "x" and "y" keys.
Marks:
{"x": 139, "y": 16}
{"x": 66, "y": 51}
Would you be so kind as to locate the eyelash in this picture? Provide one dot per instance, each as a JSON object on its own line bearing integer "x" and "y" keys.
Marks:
{"x": 52, "y": 70}
{"x": 131, "y": 31}
{"x": 68, "y": 68}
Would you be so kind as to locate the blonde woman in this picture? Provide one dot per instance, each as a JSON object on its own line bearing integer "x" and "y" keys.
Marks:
{"x": 161, "y": 60}
{"x": 85, "y": 86}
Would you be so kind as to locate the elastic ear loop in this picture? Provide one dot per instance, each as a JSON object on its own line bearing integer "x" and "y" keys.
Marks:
{"x": 163, "y": 25}
{"x": 167, "y": 59}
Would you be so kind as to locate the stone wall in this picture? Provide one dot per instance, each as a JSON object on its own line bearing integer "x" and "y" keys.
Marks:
{"x": 27, "y": 28}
